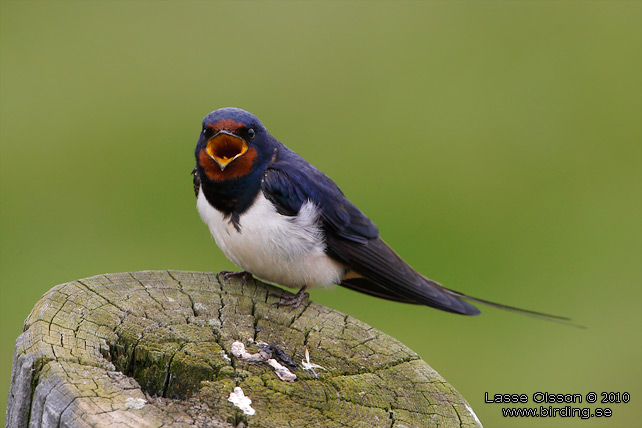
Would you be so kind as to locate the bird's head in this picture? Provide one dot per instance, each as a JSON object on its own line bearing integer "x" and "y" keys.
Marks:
{"x": 231, "y": 144}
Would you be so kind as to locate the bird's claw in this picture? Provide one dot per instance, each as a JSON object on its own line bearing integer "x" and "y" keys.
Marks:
{"x": 227, "y": 275}
{"x": 293, "y": 301}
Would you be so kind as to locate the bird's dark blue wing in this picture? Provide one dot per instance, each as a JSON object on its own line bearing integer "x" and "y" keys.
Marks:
{"x": 291, "y": 181}
{"x": 379, "y": 271}
{"x": 352, "y": 238}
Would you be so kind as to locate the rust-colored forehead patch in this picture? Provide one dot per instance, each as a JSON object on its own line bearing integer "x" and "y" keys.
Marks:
{"x": 225, "y": 125}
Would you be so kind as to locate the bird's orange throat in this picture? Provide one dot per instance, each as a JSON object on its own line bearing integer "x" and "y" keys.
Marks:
{"x": 239, "y": 167}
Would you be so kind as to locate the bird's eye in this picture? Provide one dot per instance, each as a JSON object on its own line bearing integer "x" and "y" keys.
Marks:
{"x": 250, "y": 133}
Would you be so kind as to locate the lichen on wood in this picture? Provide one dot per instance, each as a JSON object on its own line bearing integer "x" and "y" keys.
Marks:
{"x": 152, "y": 349}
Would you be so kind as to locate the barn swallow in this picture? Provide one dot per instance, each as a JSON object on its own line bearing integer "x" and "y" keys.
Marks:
{"x": 279, "y": 218}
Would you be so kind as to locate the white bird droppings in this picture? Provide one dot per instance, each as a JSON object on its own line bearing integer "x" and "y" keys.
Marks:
{"x": 238, "y": 350}
{"x": 135, "y": 403}
{"x": 308, "y": 366}
{"x": 281, "y": 371}
{"x": 238, "y": 398}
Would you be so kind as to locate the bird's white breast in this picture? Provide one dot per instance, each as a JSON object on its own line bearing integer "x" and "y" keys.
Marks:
{"x": 276, "y": 248}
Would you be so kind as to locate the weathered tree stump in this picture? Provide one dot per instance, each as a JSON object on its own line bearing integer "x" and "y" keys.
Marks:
{"x": 152, "y": 349}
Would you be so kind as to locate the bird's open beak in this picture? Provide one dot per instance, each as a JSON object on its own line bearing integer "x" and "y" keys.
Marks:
{"x": 225, "y": 147}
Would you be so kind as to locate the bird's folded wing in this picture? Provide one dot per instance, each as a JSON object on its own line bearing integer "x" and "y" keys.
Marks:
{"x": 352, "y": 238}
{"x": 291, "y": 181}
{"x": 385, "y": 274}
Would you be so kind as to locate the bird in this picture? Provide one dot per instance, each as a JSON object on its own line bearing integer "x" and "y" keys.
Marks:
{"x": 282, "y": 220}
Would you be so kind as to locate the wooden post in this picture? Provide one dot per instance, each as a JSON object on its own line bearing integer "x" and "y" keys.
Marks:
{"x": 152, "y": 349}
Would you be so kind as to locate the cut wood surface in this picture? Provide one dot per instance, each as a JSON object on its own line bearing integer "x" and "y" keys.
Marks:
{"x": 154, "y": 349}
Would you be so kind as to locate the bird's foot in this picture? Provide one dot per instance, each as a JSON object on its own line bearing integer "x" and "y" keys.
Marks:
{"x": 292, "y": 301}
{"x": 226, "y": 275}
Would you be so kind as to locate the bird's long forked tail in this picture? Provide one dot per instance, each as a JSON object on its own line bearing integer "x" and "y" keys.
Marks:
{"x": 378, "y": 271}
{"x": 541, "y": 315}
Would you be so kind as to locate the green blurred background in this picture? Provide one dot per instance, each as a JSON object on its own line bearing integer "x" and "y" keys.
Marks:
{"x": 497, "y": 145}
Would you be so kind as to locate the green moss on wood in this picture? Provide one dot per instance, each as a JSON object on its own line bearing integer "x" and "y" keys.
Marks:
{"x": 99, "y": 346}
